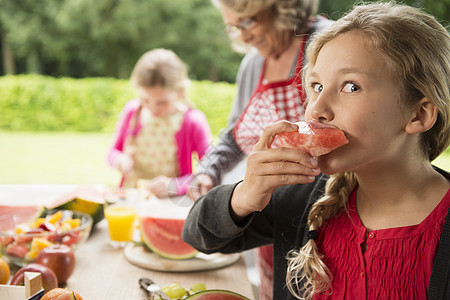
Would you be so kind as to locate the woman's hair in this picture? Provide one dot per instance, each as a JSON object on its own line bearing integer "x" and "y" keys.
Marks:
{"x": 417, "y": 52}
{"x": 287, "y": 14}
{"x": 160, "y": 67}
{"x": 291, "y": 16}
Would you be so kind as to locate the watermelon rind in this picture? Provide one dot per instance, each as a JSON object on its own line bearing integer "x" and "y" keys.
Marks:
{"x": 154, "y": 249}
{"x": 92, "y": 208}
{"x": 216, "y": 295}
{"x": 163, "y": 254}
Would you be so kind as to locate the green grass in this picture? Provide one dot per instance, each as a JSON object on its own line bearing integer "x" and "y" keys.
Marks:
{"x": 78, "y": 158}
{"x": 74, "y": 158}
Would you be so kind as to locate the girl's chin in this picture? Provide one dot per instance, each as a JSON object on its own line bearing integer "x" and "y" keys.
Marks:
{"x": 328, "y": 166}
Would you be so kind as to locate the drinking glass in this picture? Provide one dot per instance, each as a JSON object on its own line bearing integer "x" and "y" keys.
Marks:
{"x": 120, "y": 212}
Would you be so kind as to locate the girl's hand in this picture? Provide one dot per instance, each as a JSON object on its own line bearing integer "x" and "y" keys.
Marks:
{"x": 125, "y": 163}
{"x": 201, "y": 184}
{"x": 159, "y": 186}
{"x": 269, "y": 168}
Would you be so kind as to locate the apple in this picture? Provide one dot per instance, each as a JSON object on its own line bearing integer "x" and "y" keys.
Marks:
{"x": 59, "y": 258}
{"x": 49, "y": 280}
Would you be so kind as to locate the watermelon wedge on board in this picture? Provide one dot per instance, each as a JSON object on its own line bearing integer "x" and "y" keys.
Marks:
{"x": 314, "y": 138}
{"x": 161, "y": 228}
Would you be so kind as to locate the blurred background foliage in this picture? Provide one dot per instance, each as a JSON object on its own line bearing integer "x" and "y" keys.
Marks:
{"x": 38, "y": 103}
{"x": 104, "y": 38}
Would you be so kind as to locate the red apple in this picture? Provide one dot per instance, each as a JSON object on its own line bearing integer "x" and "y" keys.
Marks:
{"x": 59, "y": 258}
{"x": 49, "y": 280}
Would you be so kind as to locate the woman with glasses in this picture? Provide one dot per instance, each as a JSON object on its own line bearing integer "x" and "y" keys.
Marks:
{"x": 273, "y": 33}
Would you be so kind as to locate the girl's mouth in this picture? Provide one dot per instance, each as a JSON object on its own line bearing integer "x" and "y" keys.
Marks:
{"x": 315, "y": 124}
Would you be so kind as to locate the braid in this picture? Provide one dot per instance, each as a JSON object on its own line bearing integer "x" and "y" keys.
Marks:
{"x": 305, "y": 266}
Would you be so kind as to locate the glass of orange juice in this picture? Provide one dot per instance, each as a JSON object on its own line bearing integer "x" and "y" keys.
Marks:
{"x": 120, "y": 212}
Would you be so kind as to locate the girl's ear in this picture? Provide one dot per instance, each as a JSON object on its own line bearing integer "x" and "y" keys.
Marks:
{"x": 423, "y": 117}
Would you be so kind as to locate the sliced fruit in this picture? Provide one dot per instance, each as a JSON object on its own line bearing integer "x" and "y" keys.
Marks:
{"x": 36, "y": 246}
{"x": 18, "y": 250}
{"x": 315, "y": 139}
{"x": 85, "y": 199}
{"x": 55, "y": 217}
{"x": 5, "y": 272}
{"x": 19, "y": 214}
{"x": 163, "y": 236}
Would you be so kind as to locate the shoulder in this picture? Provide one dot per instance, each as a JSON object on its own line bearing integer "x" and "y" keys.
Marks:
{"x": 193, "y": 115}
{"x": 131, "y": 106}
{"x": 195, "y": 119}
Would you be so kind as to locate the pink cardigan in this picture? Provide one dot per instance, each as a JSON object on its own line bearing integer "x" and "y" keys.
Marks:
{"x": 193, "y": 136}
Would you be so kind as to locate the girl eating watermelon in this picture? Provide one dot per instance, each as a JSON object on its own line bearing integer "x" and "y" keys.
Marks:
{"x": 369, "y": 219}
{"x": 158, "y": 133}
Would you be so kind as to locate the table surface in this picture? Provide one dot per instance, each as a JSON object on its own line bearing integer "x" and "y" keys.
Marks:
{"x": 102, "y": 272}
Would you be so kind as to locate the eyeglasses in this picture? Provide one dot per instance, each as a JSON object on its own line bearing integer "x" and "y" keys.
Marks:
{"x": 234, "y": 31}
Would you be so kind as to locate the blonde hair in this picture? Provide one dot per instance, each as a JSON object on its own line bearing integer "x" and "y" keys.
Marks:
{"x": 160, "y": 67}
{"x": 417, "y": 51}
{"x": 289, "y": 16}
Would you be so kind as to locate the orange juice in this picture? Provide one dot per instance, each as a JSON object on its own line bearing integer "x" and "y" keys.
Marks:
{"x": 120, "y": 222}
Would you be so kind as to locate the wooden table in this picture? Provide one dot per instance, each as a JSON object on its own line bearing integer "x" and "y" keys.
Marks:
{"x": 103, "y": 272}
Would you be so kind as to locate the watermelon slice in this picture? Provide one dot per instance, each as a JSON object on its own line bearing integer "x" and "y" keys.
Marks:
{"x": 11, "y": 215}
{"x": 216, "y": 295}
{"x": 85, "y": 199}
{"x": 314, "y": 138}
{"x": 163, "y": 236}
{"x": 161, "y": 231}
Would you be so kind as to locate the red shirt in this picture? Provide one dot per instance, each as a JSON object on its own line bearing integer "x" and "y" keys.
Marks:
{"x": 397, "y": 262}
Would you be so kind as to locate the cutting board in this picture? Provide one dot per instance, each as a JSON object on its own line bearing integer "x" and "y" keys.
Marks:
{"x": 136, "y": 255}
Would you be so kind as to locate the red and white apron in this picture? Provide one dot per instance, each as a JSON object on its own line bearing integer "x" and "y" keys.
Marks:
{"x": 271, "y": 102}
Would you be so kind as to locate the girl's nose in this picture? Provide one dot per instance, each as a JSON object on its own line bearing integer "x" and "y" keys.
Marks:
{"x": 320, "y": 109}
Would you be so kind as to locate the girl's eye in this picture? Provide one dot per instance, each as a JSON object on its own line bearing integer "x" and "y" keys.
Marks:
{"x": 350, "y": 87}
{"x": 317, "y": 87}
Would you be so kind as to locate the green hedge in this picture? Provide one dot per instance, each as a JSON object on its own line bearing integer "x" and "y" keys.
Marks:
{"x": 40, "y": 103}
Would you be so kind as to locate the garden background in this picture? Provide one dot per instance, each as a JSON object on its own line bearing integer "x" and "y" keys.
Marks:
{"x": 64, "y": 70}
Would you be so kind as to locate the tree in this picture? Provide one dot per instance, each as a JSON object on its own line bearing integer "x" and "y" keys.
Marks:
{"x": 84, "y": 38}
{"x": 106, "y": 37}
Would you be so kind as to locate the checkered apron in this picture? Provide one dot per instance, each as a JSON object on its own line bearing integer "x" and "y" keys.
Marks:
{"x": 271, "y": 102}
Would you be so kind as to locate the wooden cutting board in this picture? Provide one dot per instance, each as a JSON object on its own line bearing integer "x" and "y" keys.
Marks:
{"x": 136, "y": 255}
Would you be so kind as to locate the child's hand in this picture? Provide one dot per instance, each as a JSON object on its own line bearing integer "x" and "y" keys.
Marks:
{"x": 200, "y": 186}
{"x": 125, "y": 163}
{"x": 159, "y": 186}
{"x": 269, "y": 168}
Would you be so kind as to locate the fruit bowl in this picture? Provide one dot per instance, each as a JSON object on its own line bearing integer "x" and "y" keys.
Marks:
{"x": 21, "y": 243}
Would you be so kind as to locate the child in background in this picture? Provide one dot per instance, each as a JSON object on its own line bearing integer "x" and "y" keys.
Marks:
{"x": 157, "y": 134}
{"x": 375, "y": 227}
